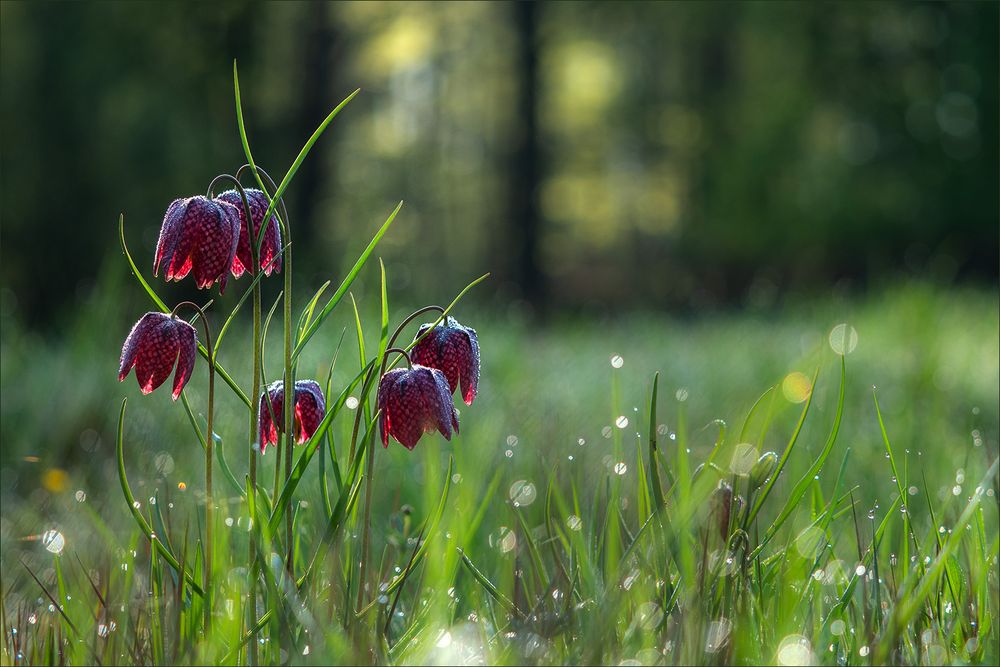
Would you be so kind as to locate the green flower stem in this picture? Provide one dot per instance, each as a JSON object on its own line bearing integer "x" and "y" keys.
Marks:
{"x": 209, "y": 447}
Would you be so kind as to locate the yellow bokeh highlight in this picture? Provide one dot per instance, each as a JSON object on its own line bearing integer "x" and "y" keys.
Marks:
{"x": 796, "y": 387}
{"x": 55, "y": 480}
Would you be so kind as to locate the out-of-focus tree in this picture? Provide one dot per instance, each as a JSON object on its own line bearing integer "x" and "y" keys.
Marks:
{"x": 592, "y": 155}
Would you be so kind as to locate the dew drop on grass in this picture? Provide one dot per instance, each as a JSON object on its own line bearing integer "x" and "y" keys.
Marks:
{"x": 662, "y": 429}
{"x": 512, "y": 440}
{"x": 794, "y": 650}
{"x": 860, "y": 570}
{"x": 163, "y": 463}
{"x": 573, "y": 522}
{"x": 621, "y": 468}
{"x": 843, "y": 339}
{"x": 351, "y": 403}
{"x": 912, "y": 490}
{"x": 80, "y": 495}
{"x": 32, "y": 619}
{"x": 606, "y": 431}
{"x": 621, "y": 422}
{"x": 229, "y": 522}
{"x": 956, "y": 490}
{"x": 181, "y": 486}
{"x": 796, "y": 387}
{"x": 863, "y": 651}
{"x": 53, "y": 541}
{"x": 581, "y": 442}
{"x": 837, "y": 627}
{"x": 456, "y": 478}
{"x": 509, "y": 454}
{"x": 681, "y": 394}
{"x": 617, "y": 361}
{"x": 718, "y": 633}
{"x": 522, "y": 493}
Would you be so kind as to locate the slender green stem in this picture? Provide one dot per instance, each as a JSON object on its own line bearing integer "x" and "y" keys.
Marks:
{"x": 209, "y": 447}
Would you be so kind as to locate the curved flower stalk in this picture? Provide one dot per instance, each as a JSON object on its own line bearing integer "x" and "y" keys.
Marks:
{"x": 198, "y": 236}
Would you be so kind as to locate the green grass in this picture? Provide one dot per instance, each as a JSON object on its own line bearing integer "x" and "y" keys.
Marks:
{"x": 517, "y": 542}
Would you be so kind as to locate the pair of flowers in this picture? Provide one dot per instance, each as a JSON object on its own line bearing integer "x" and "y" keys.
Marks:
{"x": 210, "y": 238}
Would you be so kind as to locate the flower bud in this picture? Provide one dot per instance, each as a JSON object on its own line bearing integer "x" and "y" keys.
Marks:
{"x": 762, "y": 469}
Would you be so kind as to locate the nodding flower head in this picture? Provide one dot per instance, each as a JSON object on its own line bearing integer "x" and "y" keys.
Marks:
{"x": 454, "y": 350}
{"x": 413, "y": 401}
{"x": 155, "y": 343}
{"x": 310, "y": 407}
{"x": 198, "y": 236}
{"x": 270, "y": 258}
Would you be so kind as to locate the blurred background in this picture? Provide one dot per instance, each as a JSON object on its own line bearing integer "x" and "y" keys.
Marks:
{"x": 591, "y": 156}
{"x": 705, "y": 189}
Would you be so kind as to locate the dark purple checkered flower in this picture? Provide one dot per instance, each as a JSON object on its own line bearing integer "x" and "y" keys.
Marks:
{"x": 310, "y": 407}
{"x": 198, "y": 236}
{"x": 155, "y": 343}
{"x": 454, "y": 350}
{"x": 270, "y": 259}
{"x": 414, "y": 401}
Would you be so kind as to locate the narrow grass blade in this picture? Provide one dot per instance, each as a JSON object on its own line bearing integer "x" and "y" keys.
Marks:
{"x": 490, "y": 587}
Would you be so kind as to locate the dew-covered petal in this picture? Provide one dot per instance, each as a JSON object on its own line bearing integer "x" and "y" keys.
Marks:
{"x": 156, "y": 355}
{"x": 310, "y": 407}
{"x": 132, "y": 342}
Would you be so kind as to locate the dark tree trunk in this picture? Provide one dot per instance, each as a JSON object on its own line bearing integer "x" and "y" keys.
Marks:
{"x": 525, "y": 167}
{"x": 321, "y": 50}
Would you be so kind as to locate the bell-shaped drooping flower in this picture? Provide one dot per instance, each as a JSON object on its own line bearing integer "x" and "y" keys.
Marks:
{"x": 270, "y": 258}
{"x": 413, "y": 401}
{"x": 156, "y": 342}
{"x": 310, "y": 407}
{"x": 198, "y": 236}
{"x": 454, "y": 350}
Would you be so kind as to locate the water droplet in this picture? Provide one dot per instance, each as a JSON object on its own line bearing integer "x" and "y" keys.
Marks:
{"x": 522, "y": 492}
{"x": 181, "y": 486}
{"x": 163, "y": 463}
{"x": 956, "y": 490}
{"x": 573, "y": 522}
{"x": 837, "y": 627}
{"x": 351, "y": 403}
{"x": 32, "y": 619}
{"x": 662, "y": 429}
{"x": 843, "y": 339}
{"x": 860, "y": 570}
{"x": 863, "y": 651}
{"x": 509, "y": 454}
{"x": 606, "y": 431}
{"x": 80, "y": 496}
{"x": 796, "y": 387}
{"x": 229, "y": 521}
{"x": 621, "y": 468}
{"x": 456, "y": 478}
{"x": 912, "y": 490}
{"x": 621, "y": 422}
{"x": 681, "y": 394}
{"x": 617, "y": 361}
{"x": 512, "y": 441}
{"x": 53, "y": 541}
{"x": 581, "y": 442}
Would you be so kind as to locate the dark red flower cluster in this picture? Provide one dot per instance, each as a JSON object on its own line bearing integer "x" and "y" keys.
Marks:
{"x": 418, "y": 400}
{"x": 270, "y": 257}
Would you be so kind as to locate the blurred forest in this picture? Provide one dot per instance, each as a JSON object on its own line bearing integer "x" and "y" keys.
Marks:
{"x": 593, "y": 156}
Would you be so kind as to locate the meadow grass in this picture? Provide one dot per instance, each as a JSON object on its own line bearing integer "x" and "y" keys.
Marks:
{"x": 574, "y": 520}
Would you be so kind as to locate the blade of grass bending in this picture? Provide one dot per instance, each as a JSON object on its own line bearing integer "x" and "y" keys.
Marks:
{"x": 264, "y": 619}
{"x": 56, "y": 603}
{"x": 750, "y": 414}
{"x": 302, "y": 153}
{"x": 907, "y": 524}
{"x": 490, "y": 588}
{"x": 429, "y": 531}
{"x": 163, "y": 308}
{"x": 802, "y": 485}
{"x": 784, "y": 456}
{"x": 345, "y": 284}
{"x": 654, "y": 471}
{"x": 137, "y": 515}
{"x": 307, "y": 312}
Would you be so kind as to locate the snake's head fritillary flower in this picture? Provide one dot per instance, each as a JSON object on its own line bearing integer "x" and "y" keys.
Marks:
{"x": 454, "y": 350}
{"x": 270, "y": 257}
{"x": 198, "y": 236}
{"x": 310, "y": 407}
{"x": 156, "y": 342}
{"x": 413, "y": 401}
